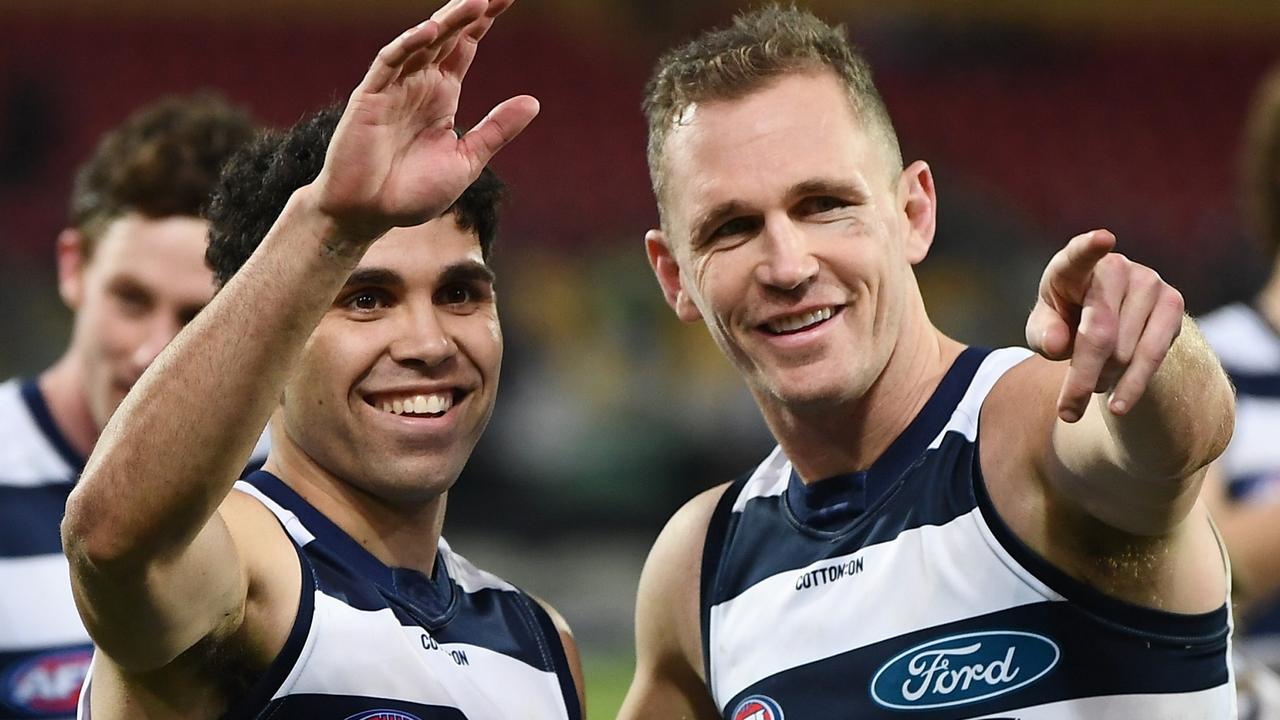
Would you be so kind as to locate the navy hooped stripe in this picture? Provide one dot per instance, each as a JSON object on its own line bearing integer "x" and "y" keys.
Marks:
{"x": 495, "y": 619}
{"x": 346, "y": 707}
{"x": 1266, "y": 385}
{"x": 1030, "y": 655}
{"x": 249, "y": 705}
{"x": 34, "y": 399}
{"x": 29, "y": 519}
{"x": 1155, "y": 626}
{"x": 766, "y": 539}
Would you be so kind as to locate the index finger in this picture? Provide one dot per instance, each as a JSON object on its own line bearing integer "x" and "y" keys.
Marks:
{"x": 445, "y": 22}
{"x": 1074, "y": 263}
{"x": 458, "y": 60}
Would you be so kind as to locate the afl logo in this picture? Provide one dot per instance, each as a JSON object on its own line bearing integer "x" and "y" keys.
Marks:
{"x": 757, "y": 707}
{"x": 48, "y": 683}
{"x": 383, "y": 715}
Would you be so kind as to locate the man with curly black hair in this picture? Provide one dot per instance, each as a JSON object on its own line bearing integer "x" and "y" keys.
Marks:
{"x": 130, "y": 268}
{"x": 363, "y": 322}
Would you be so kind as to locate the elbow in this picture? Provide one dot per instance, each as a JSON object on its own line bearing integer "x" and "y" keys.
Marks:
{"x": 91, "y": 538}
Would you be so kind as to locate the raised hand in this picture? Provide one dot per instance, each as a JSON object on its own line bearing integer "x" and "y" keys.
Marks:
{"x": 395, "y": 159}
{"x": 1114, "y": 319}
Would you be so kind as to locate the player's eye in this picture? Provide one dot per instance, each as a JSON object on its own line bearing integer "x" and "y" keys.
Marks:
{"x": 821, "y": 204}
{"x": 367, "y": 300}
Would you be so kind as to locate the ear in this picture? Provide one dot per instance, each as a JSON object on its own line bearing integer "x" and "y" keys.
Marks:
{"x": 71, "y": 264}
{"x": 919, "y": 205}
{"x": 668, "y": 272}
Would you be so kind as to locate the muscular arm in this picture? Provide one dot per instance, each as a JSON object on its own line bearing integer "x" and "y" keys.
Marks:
{"x": 155, "y": 568}
{"x": 670, "y": 681}
{"x": 1142, "y": 405}
{"x": 1141, "y": 471}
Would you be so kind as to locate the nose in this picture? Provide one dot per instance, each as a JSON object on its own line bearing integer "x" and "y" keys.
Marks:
{"x": 423, "y": 338}
{"x": 788, "y": 263}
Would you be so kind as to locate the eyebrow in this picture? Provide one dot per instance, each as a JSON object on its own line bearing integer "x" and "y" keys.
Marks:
{"x": 374, "y": 276}
{"x": 813, "y": 186}
{"x": 467, "y": 271}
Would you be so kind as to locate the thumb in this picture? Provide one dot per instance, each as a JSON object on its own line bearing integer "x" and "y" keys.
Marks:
{"x": 1048, "y": 333}
{"x": 498, "y": 128}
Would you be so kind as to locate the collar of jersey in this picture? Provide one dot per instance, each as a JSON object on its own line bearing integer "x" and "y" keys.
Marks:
{"x": 835, "y": 503}
{"x": 430, "y": 599}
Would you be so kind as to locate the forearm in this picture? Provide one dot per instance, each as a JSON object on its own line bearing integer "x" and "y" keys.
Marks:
{"x": 173, "y": 449}
{"x": 1183, "y": 420}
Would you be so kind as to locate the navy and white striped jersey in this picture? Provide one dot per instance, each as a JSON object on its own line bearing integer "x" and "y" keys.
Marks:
{"x": 1250, "y": 352}
{"x": 371, "y": 641}
{"x": 899, "y": 593}
{"x": 44, "y": 649}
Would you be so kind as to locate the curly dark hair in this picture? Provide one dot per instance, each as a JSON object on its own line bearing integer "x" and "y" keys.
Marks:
{"x": 259, "y": 180}
{"x": 161, "y": 162}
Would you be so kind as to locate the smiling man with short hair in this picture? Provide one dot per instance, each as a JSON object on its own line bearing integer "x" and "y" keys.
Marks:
{"x": 131, "y": 269}
{"x": 943, "y": 531}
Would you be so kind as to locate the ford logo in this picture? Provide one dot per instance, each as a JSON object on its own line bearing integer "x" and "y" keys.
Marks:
{"x": 963, "y": 669}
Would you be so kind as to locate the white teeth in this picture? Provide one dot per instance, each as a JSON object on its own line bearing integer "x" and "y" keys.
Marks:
{"x": 797, "y": 322}
{"x": 434, "y": 404}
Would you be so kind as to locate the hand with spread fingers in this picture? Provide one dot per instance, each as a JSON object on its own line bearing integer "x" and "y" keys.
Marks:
{"x": 395, "y": 159}
{"x": 1112, "y": 318}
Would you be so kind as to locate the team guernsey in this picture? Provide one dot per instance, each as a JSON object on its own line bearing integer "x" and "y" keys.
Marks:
{"x": 899, "y": 593}
{"x": 44, "y": 649}
{"x": 1249, "y": 348}
{"x": 372, "y": 642}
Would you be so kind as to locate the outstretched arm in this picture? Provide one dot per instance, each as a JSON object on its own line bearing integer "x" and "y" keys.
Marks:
{"x": 155, "y": 564}
{"x": 1143, "y": 405}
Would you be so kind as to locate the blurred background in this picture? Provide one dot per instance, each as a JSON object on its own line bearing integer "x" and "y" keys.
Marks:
{"x": 1040, "y": 120}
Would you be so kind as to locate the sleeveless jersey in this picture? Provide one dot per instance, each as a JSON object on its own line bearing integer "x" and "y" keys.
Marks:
{"x": 1250, "y": 352}
{"x": 925, "y": 605}
{"x": 371, "y": 642}
{"x": 44, "y": 649}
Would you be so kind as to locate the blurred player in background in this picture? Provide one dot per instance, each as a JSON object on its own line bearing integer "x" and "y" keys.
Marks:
{"x": 1244, "y": 485}
{"x": 357, "y": 311}
{"x": 944, "y": 531}
{"x": 131, "y": 269}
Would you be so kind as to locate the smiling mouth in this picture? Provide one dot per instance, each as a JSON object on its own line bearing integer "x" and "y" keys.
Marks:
{"x": 424, "y": 405}
{"x": 792, "y": 324}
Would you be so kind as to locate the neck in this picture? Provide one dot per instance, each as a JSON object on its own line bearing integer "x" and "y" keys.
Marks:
{"x": 63, "y": 388}
{"x": 397, "y": 533}
{"x": 827, "y": 439}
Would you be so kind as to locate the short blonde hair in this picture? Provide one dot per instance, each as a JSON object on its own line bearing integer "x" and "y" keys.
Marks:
{"x": 757, "y": 48}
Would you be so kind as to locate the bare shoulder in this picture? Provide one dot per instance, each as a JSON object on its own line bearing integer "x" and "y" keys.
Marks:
{"x": 672, "y": 574}
{"x": 212, "y": 671}
{"x": 1181, "y": 570}
{"x": 670, "y": 680}
{"x": 570, "y": 645}
{"x": 273, "y": 575}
